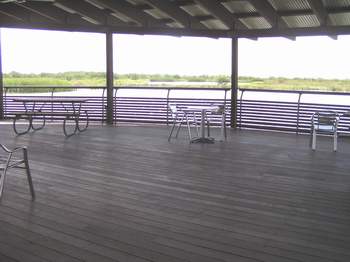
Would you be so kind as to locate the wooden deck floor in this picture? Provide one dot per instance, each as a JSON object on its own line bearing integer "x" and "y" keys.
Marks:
{"x": 126, "y": 194}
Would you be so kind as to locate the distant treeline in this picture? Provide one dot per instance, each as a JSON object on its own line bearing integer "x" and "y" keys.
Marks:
{"x": 71, "y": 76}
{"x": 72, "y": 79}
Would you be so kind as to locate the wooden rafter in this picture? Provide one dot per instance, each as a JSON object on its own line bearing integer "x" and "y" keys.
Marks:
{"x": 294, "y": 32}
{"x": 268, "y": 12}
{"x": 17, "y": 14}
{"x": 176, "y": 13}
{"x": 218, "y": 11}
{"x": 121, "y": 29}
{"x": 319, "y": 10}
{"x": 4, "y": 13}
{"x": 321, "y": 13}
{"x": 128, "y": 10}
{"x": 240, "y": 33}
{"x": 89, "y": 12}
{"x": 47, "y": 11}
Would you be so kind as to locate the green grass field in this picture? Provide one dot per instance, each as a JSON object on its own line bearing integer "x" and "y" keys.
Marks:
{"x": 73, "y": 79}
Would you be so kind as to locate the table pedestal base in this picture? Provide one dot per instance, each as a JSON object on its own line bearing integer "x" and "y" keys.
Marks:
{"x": 207, "y": 140}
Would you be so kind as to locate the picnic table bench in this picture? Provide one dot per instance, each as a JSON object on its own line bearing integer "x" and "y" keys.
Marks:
{"x": 70, "y": 109}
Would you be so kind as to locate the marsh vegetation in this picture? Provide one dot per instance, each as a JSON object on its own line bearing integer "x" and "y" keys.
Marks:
{"x": 69, "y": 80}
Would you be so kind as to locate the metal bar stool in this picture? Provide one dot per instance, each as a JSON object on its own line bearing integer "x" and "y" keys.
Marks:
{"x": 8, "y": 161}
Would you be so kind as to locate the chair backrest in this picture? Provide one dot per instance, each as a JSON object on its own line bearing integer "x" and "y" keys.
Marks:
{"x": 219, "y": 110}
{"x": 325, "y": 118}
{"x": 174, "y": 110}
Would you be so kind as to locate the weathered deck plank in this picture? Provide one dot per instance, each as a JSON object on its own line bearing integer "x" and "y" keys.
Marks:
{"x": 126, "y": 194}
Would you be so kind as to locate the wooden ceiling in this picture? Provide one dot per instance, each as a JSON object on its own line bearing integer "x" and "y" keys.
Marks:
{"x": 210, "y": 18}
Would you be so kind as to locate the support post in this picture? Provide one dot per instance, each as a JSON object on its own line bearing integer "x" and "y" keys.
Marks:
{"x": 109, "y": 77}
{"x": 234, "y": 81}
{"x": 1, "y": 85}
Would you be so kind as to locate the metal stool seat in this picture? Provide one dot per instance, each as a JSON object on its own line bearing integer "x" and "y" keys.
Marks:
{"x": 8, "y": 161}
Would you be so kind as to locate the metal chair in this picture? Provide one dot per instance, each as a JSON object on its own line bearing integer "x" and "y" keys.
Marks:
{"x": 219, "y": 110}
{"x": 8, "y": 161}
{"x": 325, "y": 122}
{"x": 180, "y": 117}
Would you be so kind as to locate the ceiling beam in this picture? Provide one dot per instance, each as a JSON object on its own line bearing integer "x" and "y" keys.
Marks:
{"x": 319, "y": 11}
{"x": 241, "y": 33}
{"x": 15, "y": 13}
{"x": 44, "y": 10}
{"x": 338, "y": 9}
{"x": 177, "y": 14}
{"x": 267, "y": 11}
{"x": 279, "y": 13}
{"x": 221, "y": 13}
{"x": 128, "y": 10}
{"x": 184, "y": 2}
{"x": 87, "y": 11}
{"x": 91, "y": 28}
{"x": 11, "y": 16}
{"x": 295, "y": 32}
{"x": 296, "y": 12}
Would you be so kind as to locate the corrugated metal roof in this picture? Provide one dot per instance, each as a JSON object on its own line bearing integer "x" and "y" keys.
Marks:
{"x": 239, "y": 7}
{"x": 340, "y": 18}
{"x": 195, "y": 10}
{"x": 214, "y": 24}
{"x": 163, "y": 16}
{"x": 122, "y": 17}
{"x": 174, "y": 25}
{"x": 336, "y": 3}
{"x": 156, "y": 13}
{"x": 289, "y": 4}
{"x": 302, "y": 21}
{"x": 255, "y": 23}
{"x": 136, "y": 2}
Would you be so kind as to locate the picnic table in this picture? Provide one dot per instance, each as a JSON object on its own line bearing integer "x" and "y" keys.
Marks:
{"x": 69, "y": 108}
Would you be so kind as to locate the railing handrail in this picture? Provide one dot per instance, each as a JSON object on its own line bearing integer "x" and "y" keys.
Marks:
{"x": 297, "y": 92}
{"x": 293, "y": 91}
{"x": 278, "y": 115}
{"x": 314, "y": 92}
{"x": 123, "y": 87}
{"x": 174, "y": 88}
{"x": 55, "y": 87}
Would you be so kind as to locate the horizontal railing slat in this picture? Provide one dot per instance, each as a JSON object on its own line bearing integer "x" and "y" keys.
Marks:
{"x": 251, "y": 113}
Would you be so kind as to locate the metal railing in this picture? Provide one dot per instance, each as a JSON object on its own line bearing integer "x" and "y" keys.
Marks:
{"x": 156, "y": 109}
{"x": 95, "y": 105}
{"x": 291, "y": 115}
{"x": 136, "y": 109}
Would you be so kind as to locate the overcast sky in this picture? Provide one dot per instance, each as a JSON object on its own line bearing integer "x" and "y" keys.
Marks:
{"x": 35, "y": 51}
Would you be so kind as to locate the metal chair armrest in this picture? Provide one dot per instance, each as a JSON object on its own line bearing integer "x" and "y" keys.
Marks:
{"x": 312, "y": 118}
{"x": 7, "y": 150}
{"x": 337, "y": 119}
